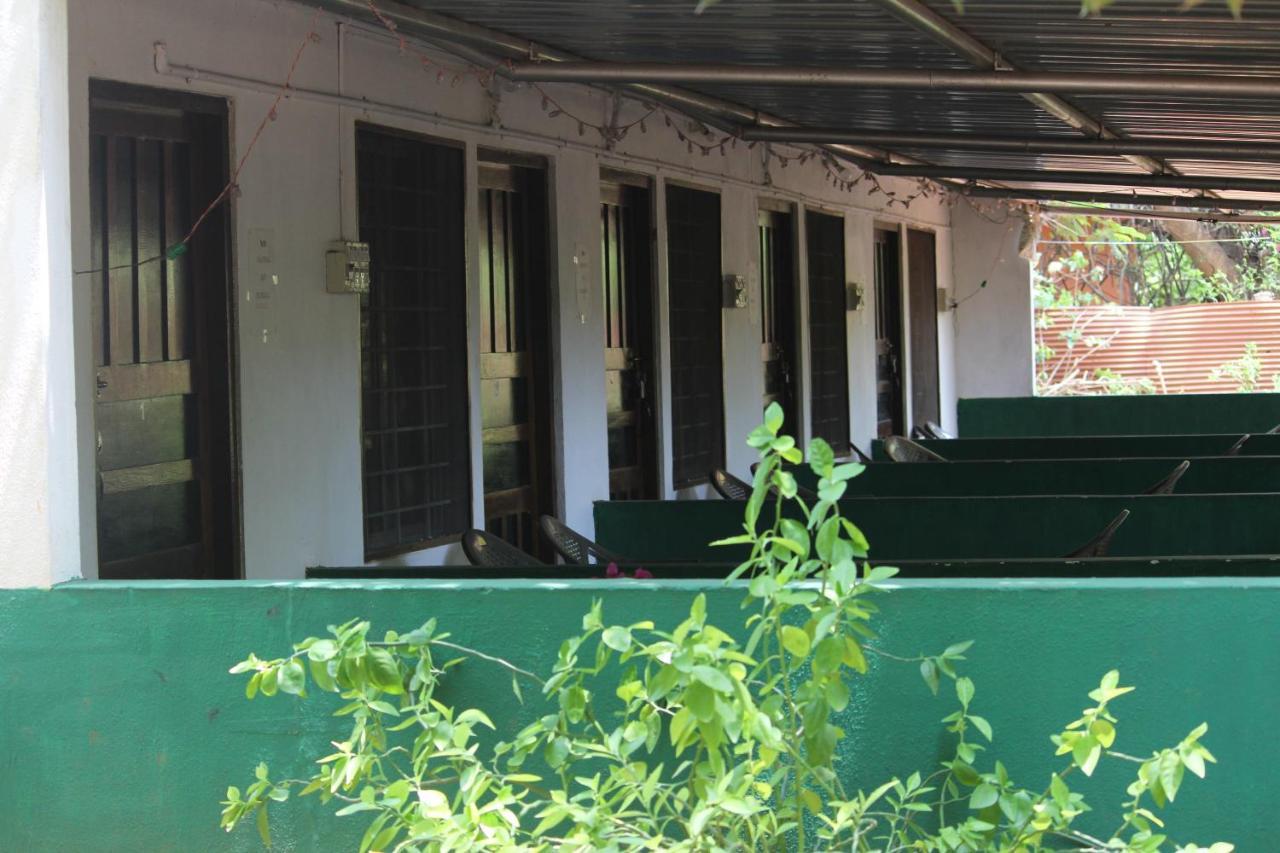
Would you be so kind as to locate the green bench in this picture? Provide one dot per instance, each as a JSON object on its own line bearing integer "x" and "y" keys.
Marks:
{"x": 1144, "y": 415}
{"x": 973, "y": 528}
{"x": 1097, "y": 447}
{"x": 1207, "y": 475}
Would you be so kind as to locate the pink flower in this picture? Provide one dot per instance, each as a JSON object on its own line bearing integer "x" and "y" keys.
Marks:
{"x": 642, "y": 574}
{"x": 612, "y": 571}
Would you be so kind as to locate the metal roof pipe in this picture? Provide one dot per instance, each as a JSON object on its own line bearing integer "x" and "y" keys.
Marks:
{"x": 1110, "y": 179}
{"x": 1185, "y": 148}
{"x": 1144, "y": 200}
{"x": 1079, "y": 82}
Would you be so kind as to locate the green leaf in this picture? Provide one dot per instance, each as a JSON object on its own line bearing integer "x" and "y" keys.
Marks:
{"x": 617, "y": 638}
{"x": 1061, "y": 794}
{"x": 854, "y": 657}
{"x": 929, "y": 672}
{"x": 964, "y": 690}
{"x": 773, "y": 417}
{"x": 713, "y": 678}
{"x": 293, "y": 678}
{"x": 821, "y": 457}
{"x": 264, "y": 830}
{"x": 322, "y": 650}
{"x": 795, "y": 641}
{"x": 847, "y": 471}
{"x": 981, "y": 724}
{"x": 433, "y": 804}
{"x": 983, "y": 796}
{"x": 384, "y": 671}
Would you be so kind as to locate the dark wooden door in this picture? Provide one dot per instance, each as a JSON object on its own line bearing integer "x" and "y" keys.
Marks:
{"x": 889, "y": 415}
{"x": 828, "y": 346}
{"x": 694, "y": 299}
{"x": 413, "y": 342}
{"x": 778, "y": 315}
{"x": 922, "y": 275}
{"x": 626, "y": 252}
{"x": 515, "y": 355}
{"x": 161, "y": 337}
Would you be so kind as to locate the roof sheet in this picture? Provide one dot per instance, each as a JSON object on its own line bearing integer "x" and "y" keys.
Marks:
{"x": 1142, "y": 36}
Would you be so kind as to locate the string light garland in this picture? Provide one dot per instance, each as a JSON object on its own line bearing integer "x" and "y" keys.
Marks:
{"x": 699, "y": 138}
{"x": 612, "y": 132}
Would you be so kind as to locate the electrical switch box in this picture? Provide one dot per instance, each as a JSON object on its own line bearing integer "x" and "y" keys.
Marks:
{"x": 347, "y": 267}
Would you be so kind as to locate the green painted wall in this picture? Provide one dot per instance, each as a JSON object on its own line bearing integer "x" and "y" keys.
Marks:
{"x": 121, "y": 728}
{"x": 1136, "y": 415}
{"x": 939, "y": 528}
{"x": 1207, "y": 475}
{"x": 1096, "y": 447}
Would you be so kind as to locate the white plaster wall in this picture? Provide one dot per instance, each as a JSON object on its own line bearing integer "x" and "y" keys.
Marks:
{"x": 39, "y": 468}
{"x": 299, "y": 389}
{"x": 993, "y": 334}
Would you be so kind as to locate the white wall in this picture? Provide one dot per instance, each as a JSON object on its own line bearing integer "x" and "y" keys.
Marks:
{"x": 993, "y": 335}
{"x": 39, "y": 467}
{"x": 299, "y": 388}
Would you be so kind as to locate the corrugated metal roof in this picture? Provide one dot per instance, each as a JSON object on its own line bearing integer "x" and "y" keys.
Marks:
{"x": 1175, "y": 348}
{"x": 1142, "y": 36}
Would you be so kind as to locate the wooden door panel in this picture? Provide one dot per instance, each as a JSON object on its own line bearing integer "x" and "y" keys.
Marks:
{"x": 889, "y": 354}
{"x": 626, "y": 284}
{"x": 416, "y": 420}
{"x": 828, "y": 348}
{"x": 514, "y": 359}
{"x": 922, "y": 274}
{"x": 697, "y": 375}
{"x": 778, "y": 315}
{"x": 162, "y": 408}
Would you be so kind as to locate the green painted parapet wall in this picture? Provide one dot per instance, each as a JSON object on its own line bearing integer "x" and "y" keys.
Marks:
{"x": 121, "y": 728}
{"x": 951, "y": 528}
{"x": 1096, "y": 447}
{"x": 1207, "y": 475}
{"x": 1136, "y": 415}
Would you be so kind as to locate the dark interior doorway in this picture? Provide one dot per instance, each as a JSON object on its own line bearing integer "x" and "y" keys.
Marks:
{"x": 515, "y": 349}
{"x": 778, "y": 313}
{"x": 626, "y": 251}
{"x": 922, "y": 274}
{"x": 828, "y": 334}
{"x": 694, "y": 302}
{"x": 162, "y": 337}
{"x": 889, "y": 355}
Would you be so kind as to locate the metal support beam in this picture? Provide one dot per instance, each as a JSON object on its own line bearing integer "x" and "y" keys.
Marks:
{"x": 438, "y": 28}
{"x": 1145, "y": 200}
{"x": 1190, "y": 215}
{"x": 1109, "y": 179}
{"x": 919, "y": 16}
{"x": 1182, "y": 148}
{"x": 1020, "y": 82}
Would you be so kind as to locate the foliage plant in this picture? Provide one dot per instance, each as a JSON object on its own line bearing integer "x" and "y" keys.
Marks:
{"x": 692, "y": 737}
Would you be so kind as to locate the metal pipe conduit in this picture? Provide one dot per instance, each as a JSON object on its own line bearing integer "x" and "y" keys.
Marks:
{"x": 1185, "y": 148}
{"x": 1110, "y": 179}
{"x": 1076, "y": 82}
{"x": 1144, "y": 200}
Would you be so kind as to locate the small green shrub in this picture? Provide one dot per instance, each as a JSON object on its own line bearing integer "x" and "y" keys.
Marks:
{"x": 722, "y": 739}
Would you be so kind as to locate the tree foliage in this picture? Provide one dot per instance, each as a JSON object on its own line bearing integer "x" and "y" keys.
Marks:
{"x": 691, "y": 737}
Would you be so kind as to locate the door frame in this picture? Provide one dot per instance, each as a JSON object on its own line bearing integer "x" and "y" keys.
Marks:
{"x": 221, "y": 221}
{"x": 650, "y": 449}
{"x": 904, "y": 376}
{"x": 799, "y": 294}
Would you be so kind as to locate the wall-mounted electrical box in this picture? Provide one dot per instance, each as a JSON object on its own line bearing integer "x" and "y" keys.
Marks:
{"x": 853, "y": 296}
{"x": 944, "y": 300}
{"x": 735, "y": 291}
{"x": 347, "y": 267}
